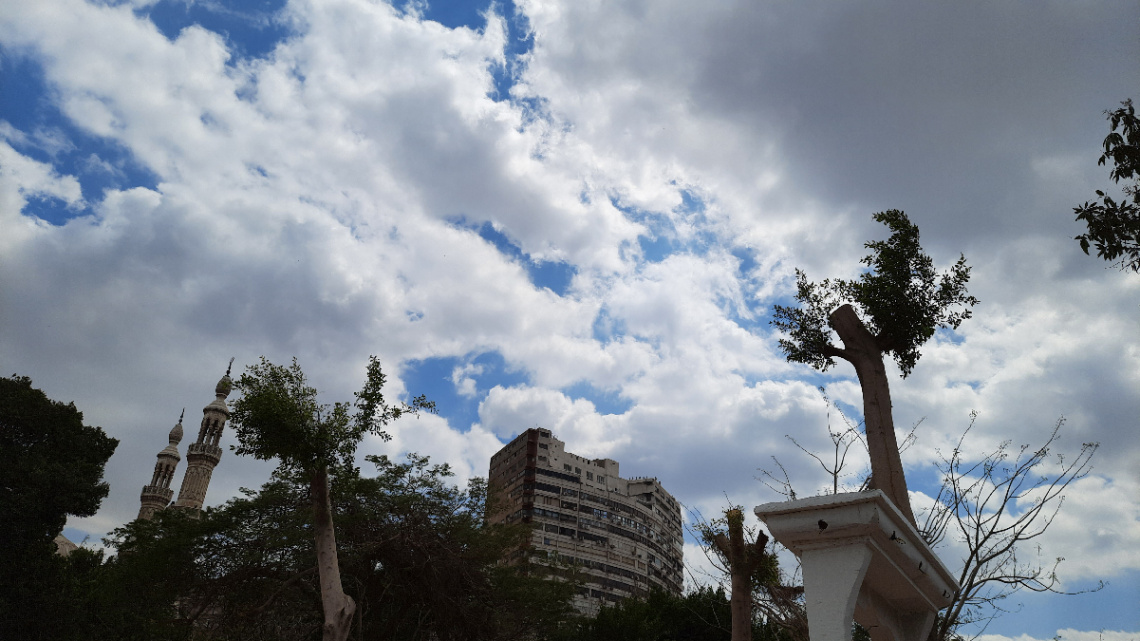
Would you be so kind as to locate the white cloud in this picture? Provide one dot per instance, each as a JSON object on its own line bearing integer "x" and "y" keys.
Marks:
{"x": 1083, "y": 535}
{"x": 462, "y": 378}
{"x": 22, "y": 178}
{"x": 507, "y": 411}
{"x": 468, "y": 453}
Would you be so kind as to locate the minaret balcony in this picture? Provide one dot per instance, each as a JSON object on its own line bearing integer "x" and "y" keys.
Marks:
{"x": 157, "y": 491}
{"x": 203, "y": 451}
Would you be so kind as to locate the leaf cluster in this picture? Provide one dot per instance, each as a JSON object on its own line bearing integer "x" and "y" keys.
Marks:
{"x": 901, "y": 299}
{"x": 278, "y": 416}
{"x": 1114, "y": 228}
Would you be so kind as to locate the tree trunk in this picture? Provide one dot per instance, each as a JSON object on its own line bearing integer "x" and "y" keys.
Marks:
{"x": 338, "y": 606}
{"x": 740, "y": 566}
{"x": 862, "y": 350}
{"x": 741, "y": 602}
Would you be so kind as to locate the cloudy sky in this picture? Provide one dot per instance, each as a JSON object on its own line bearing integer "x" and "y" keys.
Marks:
{"x": 576, "y": 215}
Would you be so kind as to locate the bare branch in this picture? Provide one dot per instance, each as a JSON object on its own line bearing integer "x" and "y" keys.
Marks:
{"x": 785, "y": 486}
{"x": 995, "y": 505}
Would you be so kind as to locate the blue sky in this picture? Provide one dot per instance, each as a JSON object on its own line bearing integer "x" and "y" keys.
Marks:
{"x": 577, "y": 216}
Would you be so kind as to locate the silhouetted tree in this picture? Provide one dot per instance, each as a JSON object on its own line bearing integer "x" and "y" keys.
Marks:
{"x": 52, "y": 468}
{"x": 1114, "y": 228}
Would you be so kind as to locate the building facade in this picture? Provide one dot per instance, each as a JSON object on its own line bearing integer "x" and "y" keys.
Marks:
{"x": 616, "y": 537}
{"x": 202, "y": 456}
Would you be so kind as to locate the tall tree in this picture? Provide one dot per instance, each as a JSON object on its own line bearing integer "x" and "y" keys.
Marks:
{"x": 892, "y": 308}
{"x": 769, "y": 595}
{"x": 1114, "y": 228}
{"x": 744, "y": 560}
{"x": 52, "y": 468}
{"x": 278, "y": 417}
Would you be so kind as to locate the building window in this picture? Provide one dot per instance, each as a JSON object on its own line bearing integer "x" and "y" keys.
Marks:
{"x": 577, "y": 470}
{"x": 590, "y": 475}
{"x": 566, "y": 466}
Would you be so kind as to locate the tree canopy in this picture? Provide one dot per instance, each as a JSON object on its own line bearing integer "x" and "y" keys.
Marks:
{"x": 415, "y": 553}
{"x": 900, "y": 299}
{"x": 278, "y": 416}
{"x": 53, "y": 463}
{"x": 1114, "y": 228}
{"x": 701, "y": 615}
{"x": 53, "y": 468}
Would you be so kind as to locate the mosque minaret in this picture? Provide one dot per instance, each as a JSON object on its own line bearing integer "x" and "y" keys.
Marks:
{"x": 202, "y": 456}
{"x": 156, "y": 496}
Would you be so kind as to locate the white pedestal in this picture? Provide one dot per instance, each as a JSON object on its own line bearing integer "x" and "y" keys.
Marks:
{"x": 863, "y": 561}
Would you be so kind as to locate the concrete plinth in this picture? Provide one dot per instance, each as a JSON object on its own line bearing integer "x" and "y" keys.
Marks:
{"x": 863, "y": 561}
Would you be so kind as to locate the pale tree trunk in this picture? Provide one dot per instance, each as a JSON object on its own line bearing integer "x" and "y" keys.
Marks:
{"x": 861, "y": 349}
{"x": 740, "y": 566}
{"x": 338, "y": 606}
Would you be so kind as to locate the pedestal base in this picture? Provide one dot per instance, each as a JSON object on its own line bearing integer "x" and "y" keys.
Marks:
{"x": 861, "y": 561}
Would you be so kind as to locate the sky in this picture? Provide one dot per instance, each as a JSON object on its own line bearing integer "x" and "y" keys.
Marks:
{"x": 578, "y": 215}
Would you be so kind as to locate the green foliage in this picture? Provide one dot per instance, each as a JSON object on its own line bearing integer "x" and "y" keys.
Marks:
{"x": 153, "y": 587}
{"x": 701, "y": 615}
{"x": 278, "y": 416}
{"x": 901, "y": 300}
{"x": 53, "y": 463}
{"x": 1114, "y": 228}
{"x": 439, "y": 561}
{"x": 779, "y": 605}
{"x": 53, "y": 468}
{"x": 415, "y": 555}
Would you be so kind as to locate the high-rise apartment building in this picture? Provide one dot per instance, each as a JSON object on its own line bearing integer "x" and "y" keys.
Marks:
{"x": 619, "y": 537}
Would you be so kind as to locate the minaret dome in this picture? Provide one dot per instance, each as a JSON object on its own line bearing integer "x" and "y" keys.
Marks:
{"x": 157, "y": 495}
{"x": 203, "y": 455}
